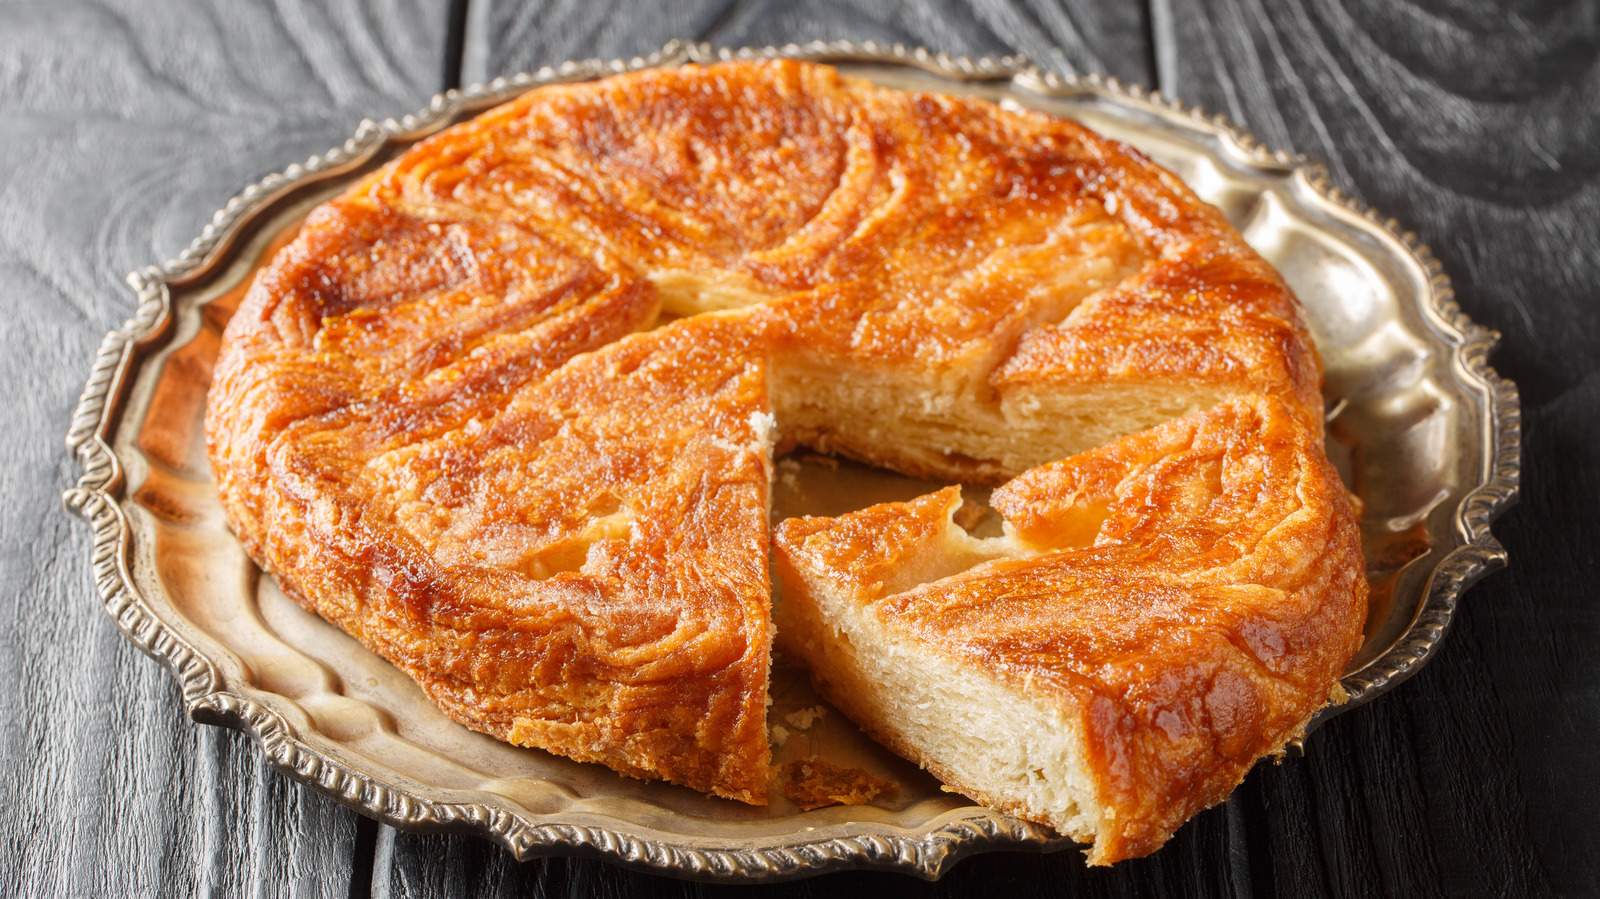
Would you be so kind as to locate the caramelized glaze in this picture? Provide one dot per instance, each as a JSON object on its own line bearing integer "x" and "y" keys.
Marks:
{"x": 441, "y": 417}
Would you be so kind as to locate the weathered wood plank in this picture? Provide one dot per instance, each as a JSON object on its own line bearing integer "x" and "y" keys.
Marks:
{"x": 504, "y": 38}
{"x": 122, "y": 127}
{"x": 1479, "y": 127}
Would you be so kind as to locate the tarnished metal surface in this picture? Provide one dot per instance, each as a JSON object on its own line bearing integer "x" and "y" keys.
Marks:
{"x": 1422, "y": 429}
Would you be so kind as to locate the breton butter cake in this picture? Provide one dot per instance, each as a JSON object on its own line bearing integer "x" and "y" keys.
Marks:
{"x": 506, "y": 409}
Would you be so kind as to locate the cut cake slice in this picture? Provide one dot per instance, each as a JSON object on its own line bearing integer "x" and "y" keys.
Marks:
{"x": 1154, "y": 620}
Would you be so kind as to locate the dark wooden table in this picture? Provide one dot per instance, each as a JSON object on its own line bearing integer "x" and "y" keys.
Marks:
{"x": 124, "y": 123}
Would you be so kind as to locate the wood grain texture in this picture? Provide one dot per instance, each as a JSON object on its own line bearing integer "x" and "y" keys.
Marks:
{"x": 122, "y": 127}
{"x": 506, "y": 37}
{"x": 1476, "y": 125}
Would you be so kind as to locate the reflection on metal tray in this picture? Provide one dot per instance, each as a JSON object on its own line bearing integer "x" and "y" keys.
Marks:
{"x": 1420, "y": 428}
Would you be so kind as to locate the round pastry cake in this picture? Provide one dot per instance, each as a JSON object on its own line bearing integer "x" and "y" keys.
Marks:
{"x": 507, "y": 409}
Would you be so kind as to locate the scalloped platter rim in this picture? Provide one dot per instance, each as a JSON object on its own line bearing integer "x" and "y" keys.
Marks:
{"x": 1420, "y": 426}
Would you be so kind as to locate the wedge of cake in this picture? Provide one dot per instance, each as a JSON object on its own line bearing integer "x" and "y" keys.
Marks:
{"x": 1161, "y": 613}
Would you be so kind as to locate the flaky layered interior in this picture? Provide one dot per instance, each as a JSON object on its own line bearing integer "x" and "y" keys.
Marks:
{"x": 1161, "y": 612}
{"x": 971, "y": 730}
{"x": 1005, "y": 748}
{"x": 901, "y": 424}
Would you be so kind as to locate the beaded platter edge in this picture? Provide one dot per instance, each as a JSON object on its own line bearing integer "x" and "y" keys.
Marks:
{"x": 97, "y": 495}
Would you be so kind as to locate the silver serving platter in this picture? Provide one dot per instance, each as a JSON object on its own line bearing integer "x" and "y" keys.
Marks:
{"x": 1420, "y": 427}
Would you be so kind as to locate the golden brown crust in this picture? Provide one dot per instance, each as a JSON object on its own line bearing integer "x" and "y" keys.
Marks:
{"x": 433, "y": 421}
{"x": 519, "y": 535}
{"x": 1205, "y": 309}
{"x": 913, "y": 243}
{"x": 1199, "y": 319}
{"x": 1197, "y": 590}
